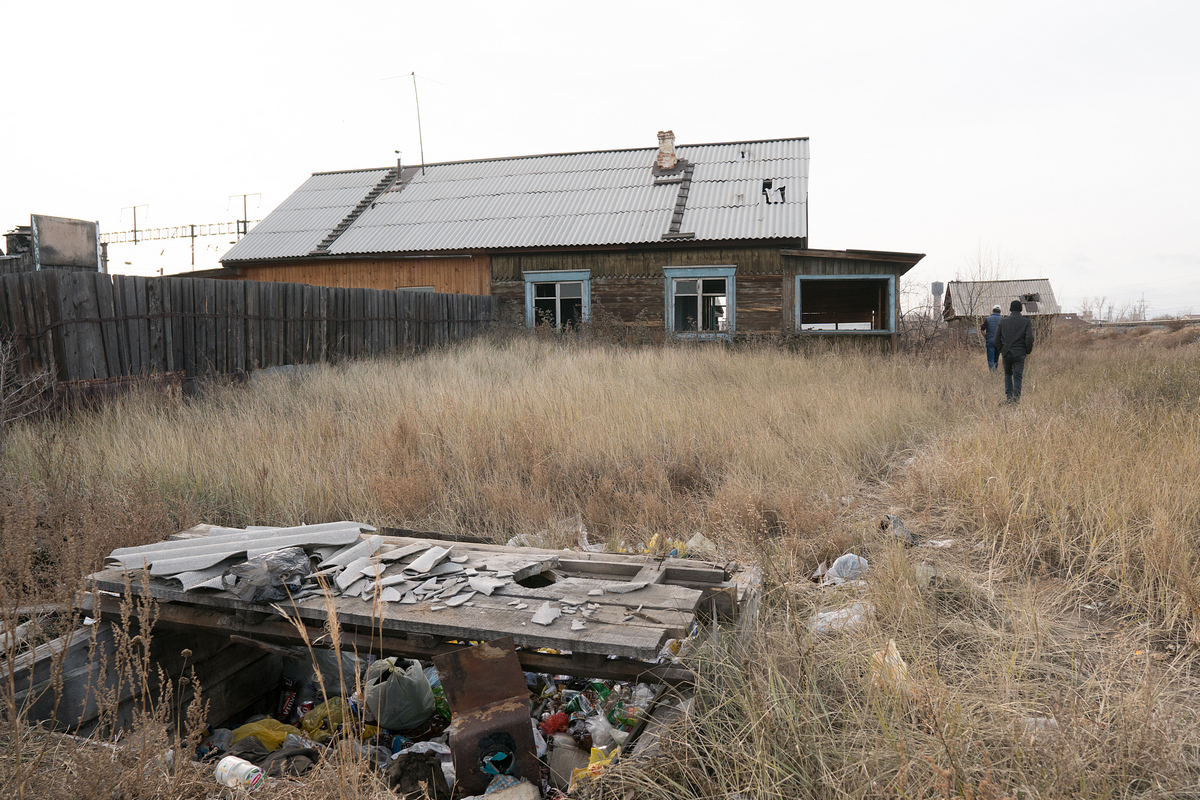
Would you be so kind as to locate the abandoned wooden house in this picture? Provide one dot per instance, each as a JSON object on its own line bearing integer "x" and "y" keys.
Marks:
{"x": 967, "y": 302}
{"x": 702, "y": 240}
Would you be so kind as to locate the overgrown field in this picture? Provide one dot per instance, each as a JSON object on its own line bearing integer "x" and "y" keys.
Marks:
{"x": 1050, "y": 646}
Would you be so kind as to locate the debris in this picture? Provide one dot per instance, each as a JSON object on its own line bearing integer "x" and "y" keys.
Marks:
{"x": 624, "y": 588}
{"x": 822, "y": 568}
{"x": 490, "y": 731}
{"x": 1036, "y": 725}
{"x": 390, "y": 594}
{"x": 486, "y": 585}
{"x": 937, "y": 543}
{"x": 522, "y": 605}
{"x": 238, "y": 773}
{"x": 889, "y": 672}
{"x": 417, "y": 776}
{"x": 546, "y": 614}
{"x": 356, "y": 550}
{"x": 397, "y": 553}
{"x": 701, "y": 544}
{"x": 578, "y": 624}
{"x": 459, "y": 599}
{"x": 595, "y": 592}
{"x": 270, "y": 577}
{"x": 841, "y": 620}
{"x": 571, "y": 600}
{"x": 436, "y": 608}
{"x": 459, "y": 559}
{"x": 398, "y": 693}
{"x": 893, "y": 525}
{"x": 428, "y": 560}
{"x": 848, "y": 567}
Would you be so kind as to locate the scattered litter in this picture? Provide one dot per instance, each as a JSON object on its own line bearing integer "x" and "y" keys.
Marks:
{"x": 546, "y": 614}
{"x": 822, "y": 568}
{"x": 893, "y": 525}
{"x": 849, "y": 567}
{"x": 889, "y": 672}
{"x": 1036, "y": 725}
{"x": 238, "y": 773}
{"x": 937, "y": 543}
{"x": 701, "y": 544}
{"x": 841, "y": 620}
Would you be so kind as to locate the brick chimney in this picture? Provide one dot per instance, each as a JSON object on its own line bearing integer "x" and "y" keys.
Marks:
{"x": 666, "y": 150}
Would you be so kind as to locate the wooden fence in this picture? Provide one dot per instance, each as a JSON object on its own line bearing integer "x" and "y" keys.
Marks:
{"x": 87, "y": 326}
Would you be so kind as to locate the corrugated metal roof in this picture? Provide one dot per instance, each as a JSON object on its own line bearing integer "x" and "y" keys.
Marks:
{"x": 976, "y": 298}
{"x": 303, "y": 220}
{"x": 570, "y": 199}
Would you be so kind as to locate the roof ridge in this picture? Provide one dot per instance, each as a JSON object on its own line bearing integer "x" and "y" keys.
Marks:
{"x": 574, "y": 153}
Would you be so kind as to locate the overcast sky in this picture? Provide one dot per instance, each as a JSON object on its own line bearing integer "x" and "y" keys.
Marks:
{"x": 1054, "y": 139}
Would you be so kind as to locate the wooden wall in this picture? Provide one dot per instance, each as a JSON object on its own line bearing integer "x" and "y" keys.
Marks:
{"x": 451, "y": 275}
{"x": 639, "y": 263}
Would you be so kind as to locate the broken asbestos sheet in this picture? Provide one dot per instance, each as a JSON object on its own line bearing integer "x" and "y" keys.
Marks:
{"x": 193, "y": 555}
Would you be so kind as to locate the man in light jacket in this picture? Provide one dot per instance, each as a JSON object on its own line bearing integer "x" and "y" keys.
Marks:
{"x": 988, "y": 329}
{"x": 1014, "y": 341}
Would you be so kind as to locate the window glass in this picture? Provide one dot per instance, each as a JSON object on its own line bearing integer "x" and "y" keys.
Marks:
{"x": 714, "y": 285}
{"x": 685, "y": 287}
{"x": 544, "y": 289}
{"x": 570, "y": 290}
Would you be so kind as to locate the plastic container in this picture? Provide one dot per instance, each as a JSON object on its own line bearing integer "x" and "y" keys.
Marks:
{"x": 237, "y": 772}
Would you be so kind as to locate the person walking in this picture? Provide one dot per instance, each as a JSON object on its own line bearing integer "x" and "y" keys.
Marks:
{"x": 1014, "y": 341}
{"x": 988, "y": 329}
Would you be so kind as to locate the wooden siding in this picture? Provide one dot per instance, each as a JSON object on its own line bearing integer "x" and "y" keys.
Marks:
{"x": 465, "y": 275}
{"x": 759, "y": 303}
{"x": 639, "y": 263}
{"x": 811, "y": 265}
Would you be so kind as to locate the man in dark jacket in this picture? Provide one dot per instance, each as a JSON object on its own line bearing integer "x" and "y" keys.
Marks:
{"x": 988, "y": 329}
{"x": 1014, "y": 341}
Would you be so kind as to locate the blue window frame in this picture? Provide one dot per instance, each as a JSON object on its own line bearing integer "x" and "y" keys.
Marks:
{"x": 558, "y": 298}
{"x": 700, "y": 301}
{"x": 846, "y": 303}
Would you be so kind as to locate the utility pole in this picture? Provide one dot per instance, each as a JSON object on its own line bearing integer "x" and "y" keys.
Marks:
{"x": 244, "y": 222}
{"x": 135, "y": 208}
{"x": 420, "y": 136}
{"x": 193, "y": 237}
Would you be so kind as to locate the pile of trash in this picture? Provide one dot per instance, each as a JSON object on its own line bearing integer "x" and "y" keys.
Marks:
{"x": 394, "y": 714}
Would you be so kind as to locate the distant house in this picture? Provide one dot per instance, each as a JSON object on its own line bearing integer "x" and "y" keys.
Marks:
{"x": 700, "y": 240}
{"x": 968, "y": 301}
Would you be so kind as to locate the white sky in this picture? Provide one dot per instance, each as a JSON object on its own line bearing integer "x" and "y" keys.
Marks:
{"x": 1056, "y": 138}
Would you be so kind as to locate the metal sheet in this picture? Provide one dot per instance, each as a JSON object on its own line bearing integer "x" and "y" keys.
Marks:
{"x": 570, "y": 199}
{"x": 489, "y": 702}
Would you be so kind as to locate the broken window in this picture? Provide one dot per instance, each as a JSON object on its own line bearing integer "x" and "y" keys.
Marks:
{"x": 700, "y": 300}
{"x": 558, "y": 299}
{"x": 861, "y": 303}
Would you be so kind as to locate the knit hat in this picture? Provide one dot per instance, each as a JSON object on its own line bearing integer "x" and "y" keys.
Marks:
{"x": 1015, "y": 305}
{"x": 996, "y": 309}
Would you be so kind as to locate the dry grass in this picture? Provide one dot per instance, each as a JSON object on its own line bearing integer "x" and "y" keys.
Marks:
{"x": 1069, "y": 593}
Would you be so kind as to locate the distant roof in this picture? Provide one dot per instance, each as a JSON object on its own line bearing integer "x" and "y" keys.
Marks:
{"x": 606, "y": 197}
{"x": 976, "y": 298}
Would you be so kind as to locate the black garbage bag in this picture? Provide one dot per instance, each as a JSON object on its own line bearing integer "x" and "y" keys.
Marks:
{"x": 269, "y": 577}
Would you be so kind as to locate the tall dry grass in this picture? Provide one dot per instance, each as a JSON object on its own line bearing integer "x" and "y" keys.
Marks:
{"x": 1069, "y": 594}
{"x": 503, "y": 439}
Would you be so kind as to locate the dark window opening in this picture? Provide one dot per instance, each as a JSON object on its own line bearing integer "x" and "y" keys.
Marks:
{"x": 849, "y": 305}
{"x": 558, "y": 304}
{"x": 701, "y": 305}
